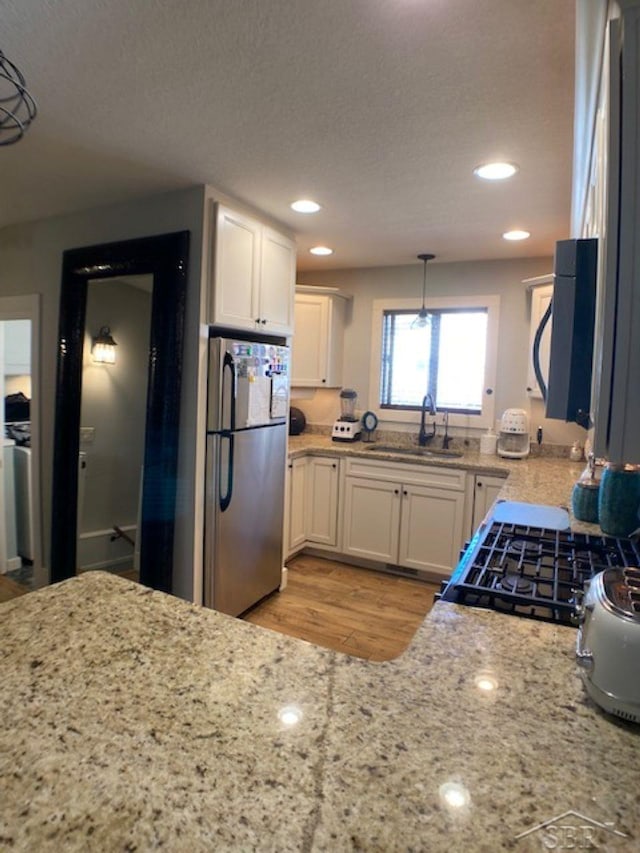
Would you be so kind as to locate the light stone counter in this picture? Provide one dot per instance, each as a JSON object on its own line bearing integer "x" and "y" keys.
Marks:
{"x": 536, "y": 479}
{"x": 133, "y": 721}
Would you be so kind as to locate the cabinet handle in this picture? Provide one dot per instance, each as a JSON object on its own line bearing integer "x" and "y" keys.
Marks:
{"x": 405, "y": 492}
{"x": 334, "y": 465}
{"x": 290, "y": 465}
{"x": 324, "y": 380}
{"x": 257, "y": 319}
{"x": 479, "y": 485}
{"x": 263, "y": 321}
{"x": 396, "y": 491}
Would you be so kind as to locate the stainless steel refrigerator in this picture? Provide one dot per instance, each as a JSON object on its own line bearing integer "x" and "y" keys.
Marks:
{"x": 248, "y": 398}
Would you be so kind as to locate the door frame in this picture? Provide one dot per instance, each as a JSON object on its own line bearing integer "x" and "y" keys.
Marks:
{"x": 166, "y": 258}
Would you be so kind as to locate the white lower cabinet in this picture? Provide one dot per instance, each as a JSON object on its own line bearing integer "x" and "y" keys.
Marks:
{"x": 312, "y": 503}
{"x": 322, "y": 501}
{"x": 410, "y": 516}
{"x": 430, "y": 528}
{"x": 413, "y": 516}
{"x": 295, "y": 515}
{"x": 485, "y": 491}
{"x": 371, "y": 520}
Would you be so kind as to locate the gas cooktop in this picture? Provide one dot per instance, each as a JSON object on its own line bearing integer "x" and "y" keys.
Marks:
{"x": 532, "y": 571}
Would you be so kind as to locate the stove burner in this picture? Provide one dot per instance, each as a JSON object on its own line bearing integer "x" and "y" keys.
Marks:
{"x": 534, "y": 572}
{"x": 522, "y": 547}
{"x": 602, "y": 554}
{"x": 515, "y": 583}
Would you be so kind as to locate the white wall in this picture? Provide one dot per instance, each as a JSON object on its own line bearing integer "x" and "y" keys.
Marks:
{"x": 31, "y": 262}
{"x": 456, "y": 279}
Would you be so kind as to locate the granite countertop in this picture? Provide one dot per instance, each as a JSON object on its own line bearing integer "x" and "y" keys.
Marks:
{"x": 133, "y": 720}
{"x": 535, "y": 479}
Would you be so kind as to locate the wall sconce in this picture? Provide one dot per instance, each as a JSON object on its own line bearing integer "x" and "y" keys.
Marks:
{"x": 103, "y": 350}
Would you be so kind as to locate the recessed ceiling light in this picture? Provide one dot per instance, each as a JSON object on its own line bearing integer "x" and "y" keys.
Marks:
{"x": 495, "y": 171}
{"x": 516, "y": 235}
{"x": 305, "y": 205}
{"x": 321, "y": 250}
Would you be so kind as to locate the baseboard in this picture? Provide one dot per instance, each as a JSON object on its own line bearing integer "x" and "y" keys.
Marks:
{"x": 13, "y": 563}
{"x": 97, "y": 549}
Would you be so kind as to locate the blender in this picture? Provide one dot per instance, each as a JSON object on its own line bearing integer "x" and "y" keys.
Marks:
{"x": 347, "y": 427}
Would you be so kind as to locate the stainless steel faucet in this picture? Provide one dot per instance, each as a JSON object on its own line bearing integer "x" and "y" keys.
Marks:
{"x": 427, "y": 405}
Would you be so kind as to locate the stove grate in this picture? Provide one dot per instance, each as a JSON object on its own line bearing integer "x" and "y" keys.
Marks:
{"x": 534, "y": 572}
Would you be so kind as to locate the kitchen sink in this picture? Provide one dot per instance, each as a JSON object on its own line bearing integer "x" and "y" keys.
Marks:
{"x": 417, "y": 451}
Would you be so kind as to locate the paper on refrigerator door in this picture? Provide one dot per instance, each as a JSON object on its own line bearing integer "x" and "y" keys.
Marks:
{"x": 279, "y": 396}
{"x": 255, "y": 411}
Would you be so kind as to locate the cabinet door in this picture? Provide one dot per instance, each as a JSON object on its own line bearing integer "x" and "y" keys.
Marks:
{"x": 430, "y": 528}
{"x": 309, "y": 353}
{"x": 371, "y": 519}
{"x": 322, "y": 500}
{"x": 540, "y": 298}
{"x": 297, "y": 504}
{"x": 486, "y": 490}
{"x": 277, "y": 282}
{"x": 236, "y": 270}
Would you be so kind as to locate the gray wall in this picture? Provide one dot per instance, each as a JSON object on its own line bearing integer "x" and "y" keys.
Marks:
{"x": 503, "y": 278}
{"x": 114, "y": 398}
{"x": 31, "y": 261}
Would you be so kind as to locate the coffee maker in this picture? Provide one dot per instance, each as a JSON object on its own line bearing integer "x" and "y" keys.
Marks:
{"x": 347, "y": 427}
{"x": 513, "y": 438}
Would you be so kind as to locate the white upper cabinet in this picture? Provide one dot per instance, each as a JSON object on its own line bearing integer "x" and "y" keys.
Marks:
{"x": 541, "y": 296}
{"x": 316, "y": 360}
{"x": 277, "y": 282}
{"x": 253, "y": 275}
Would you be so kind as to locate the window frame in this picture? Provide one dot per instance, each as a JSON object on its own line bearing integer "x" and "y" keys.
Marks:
{"x": 412, "y": 416}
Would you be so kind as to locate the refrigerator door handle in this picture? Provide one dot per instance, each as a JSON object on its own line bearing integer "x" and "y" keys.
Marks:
{"x": 228, "y": 363}
{"x": 536, "y": 350}
{"x": 224, "y": 499}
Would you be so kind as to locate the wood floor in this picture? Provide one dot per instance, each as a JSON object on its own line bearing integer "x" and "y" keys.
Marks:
{"x": 360, "y": 612}
{"x": 10, "y": 589}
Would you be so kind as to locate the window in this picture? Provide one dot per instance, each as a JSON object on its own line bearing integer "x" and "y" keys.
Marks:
{"x": 453, "y": 357}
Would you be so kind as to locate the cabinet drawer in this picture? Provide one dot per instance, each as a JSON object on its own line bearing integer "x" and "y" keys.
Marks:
{"x": 419, "y": 475}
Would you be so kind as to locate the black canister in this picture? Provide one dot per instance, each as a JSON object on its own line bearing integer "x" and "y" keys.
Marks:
{"x": 297, "y": 421}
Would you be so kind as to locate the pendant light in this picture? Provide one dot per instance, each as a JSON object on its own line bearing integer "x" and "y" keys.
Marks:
{"x": 17, "y": 106}
{"x": 422, "y": 319}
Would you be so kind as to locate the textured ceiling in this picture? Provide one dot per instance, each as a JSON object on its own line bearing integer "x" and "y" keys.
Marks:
{"x": 379, "y": 109}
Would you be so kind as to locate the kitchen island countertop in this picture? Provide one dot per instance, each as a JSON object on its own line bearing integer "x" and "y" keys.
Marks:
{"x": 133, "y": 720}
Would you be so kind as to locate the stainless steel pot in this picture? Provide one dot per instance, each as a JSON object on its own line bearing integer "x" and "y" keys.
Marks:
{"x": 608, "y": 645}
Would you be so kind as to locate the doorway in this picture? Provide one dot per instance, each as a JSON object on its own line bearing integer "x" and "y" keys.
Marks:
{"x": 112, "y": 425}
{"x": 21, "y": 566}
